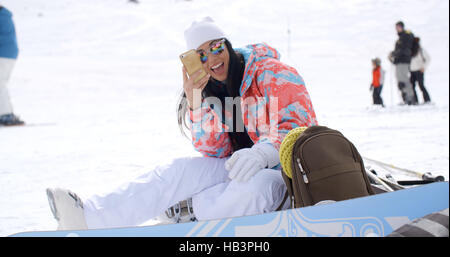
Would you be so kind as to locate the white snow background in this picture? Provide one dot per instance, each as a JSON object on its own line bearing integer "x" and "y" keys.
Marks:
{"x": 97, "y": 82}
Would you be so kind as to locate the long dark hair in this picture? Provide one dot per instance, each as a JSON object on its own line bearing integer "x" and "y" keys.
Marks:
{"x": 230, "y": 88}
{"x": 415, "y": 47}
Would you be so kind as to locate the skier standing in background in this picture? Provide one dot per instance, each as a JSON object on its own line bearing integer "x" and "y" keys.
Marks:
{"x": 419, "y": 62}
{"x": 377, "y": 81}
{"x": 8, "y": 55}
{"x": 401, "y": 57}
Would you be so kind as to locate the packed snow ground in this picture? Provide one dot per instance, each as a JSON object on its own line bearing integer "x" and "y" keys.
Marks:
{"x": 97, "y": 82}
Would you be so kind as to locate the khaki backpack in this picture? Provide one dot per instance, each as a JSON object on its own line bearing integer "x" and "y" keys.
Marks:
{"x": 324, "y": 166}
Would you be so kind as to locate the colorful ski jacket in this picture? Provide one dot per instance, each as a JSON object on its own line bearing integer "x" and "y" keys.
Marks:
{"x": 8, "y": 41}
{"x": 273, "y": 101}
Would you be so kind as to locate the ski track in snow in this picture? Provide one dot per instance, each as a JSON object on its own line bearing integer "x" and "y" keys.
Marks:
{"x": 103, "y": 77}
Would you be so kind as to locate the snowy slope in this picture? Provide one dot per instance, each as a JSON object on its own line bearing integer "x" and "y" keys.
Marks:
{"x": 99, "y": 80}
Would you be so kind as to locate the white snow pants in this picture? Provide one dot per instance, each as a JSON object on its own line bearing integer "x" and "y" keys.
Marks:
{"x": 6, "y": 67}
{"x": 204, "y": 179}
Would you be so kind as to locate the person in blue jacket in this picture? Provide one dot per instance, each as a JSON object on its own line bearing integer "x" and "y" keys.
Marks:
{"x": 8, "y": 56}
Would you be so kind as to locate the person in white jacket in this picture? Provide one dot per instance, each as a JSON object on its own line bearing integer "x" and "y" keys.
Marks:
{"x": 419, "y": 63}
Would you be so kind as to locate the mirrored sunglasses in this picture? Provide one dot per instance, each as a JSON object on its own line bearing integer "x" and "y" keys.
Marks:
{"x": 216, "y": 48}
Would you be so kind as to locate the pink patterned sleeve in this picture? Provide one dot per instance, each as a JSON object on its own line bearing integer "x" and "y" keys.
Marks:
{"x": 290, "y": 104}
{"x": 208, "y": 133}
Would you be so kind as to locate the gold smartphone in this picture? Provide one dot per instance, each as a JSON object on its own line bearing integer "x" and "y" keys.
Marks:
{"x": 192, "y": 63}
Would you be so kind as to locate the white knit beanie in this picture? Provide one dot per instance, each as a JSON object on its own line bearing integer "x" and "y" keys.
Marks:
{"x": 202, "y": 31}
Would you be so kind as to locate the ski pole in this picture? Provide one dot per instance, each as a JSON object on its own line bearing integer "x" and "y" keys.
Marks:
{"x": 289, "y": 38}
{"x": 379, "y": 181}
{"x": 427, "y": 176}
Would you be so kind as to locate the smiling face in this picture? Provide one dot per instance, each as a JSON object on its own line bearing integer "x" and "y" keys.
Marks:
{"x": 216, "y": 64}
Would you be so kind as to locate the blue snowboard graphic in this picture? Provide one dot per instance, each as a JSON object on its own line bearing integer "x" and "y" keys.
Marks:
{"x": 376, "y": 215}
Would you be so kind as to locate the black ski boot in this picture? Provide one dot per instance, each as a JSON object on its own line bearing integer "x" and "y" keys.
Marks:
{"x": 10, "y": 120}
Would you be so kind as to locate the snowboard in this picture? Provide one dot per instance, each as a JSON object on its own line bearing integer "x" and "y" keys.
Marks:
{"x": 376, "y": 215}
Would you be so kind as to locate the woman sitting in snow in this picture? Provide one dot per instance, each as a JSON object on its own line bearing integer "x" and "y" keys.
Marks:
{"x": 239, "y": 172}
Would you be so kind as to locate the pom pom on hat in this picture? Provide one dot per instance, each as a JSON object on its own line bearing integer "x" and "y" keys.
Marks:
{"x": 202, "y": 31}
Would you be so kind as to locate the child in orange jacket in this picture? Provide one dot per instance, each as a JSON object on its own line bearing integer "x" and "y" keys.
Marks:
{"x": 377, "y": 81}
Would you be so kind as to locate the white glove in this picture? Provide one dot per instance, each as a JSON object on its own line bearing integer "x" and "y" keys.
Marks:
{"x": 245, "y": 163}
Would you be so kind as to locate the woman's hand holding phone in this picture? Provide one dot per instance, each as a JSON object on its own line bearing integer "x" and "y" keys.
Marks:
{"x": 191, "y": 87}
